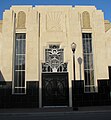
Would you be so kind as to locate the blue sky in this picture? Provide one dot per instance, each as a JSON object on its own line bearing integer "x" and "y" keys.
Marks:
{"x": 104, "y": 5}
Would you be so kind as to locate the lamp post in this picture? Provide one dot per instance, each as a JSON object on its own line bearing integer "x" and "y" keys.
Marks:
{"x": 73, "y": 47}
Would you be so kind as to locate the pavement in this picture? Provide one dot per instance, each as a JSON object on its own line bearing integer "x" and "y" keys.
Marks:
{"x": 56, "y": 109}
{"x": 95, "y": 108}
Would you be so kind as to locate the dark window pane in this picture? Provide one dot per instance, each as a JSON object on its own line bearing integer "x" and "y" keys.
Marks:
{"x": 90, "y": 35}
{"x": 20, "y": 67}
{"x": 92, "y": 77}
{"x": 20, "y": 62}
{"x": 20, "y": 36}
{"x": 19, "y": 90}
{"x": 20, "y": 46}
{"x": 88, "y": 61}
{"x": 23, "y": 78}
{"x": 83, "y": 35}
{"x": 87, "y": 77}
{"x": 15, "y": 79}
{"x": 19, "y": 80}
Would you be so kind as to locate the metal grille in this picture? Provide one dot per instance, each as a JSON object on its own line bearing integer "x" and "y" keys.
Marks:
{"x": 54, "y": 60}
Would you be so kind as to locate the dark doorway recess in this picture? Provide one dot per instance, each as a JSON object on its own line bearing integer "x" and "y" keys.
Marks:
{"x": 55, "y": 90}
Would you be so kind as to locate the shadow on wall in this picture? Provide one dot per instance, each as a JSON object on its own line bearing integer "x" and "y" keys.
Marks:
{"x": 2, "y": 80}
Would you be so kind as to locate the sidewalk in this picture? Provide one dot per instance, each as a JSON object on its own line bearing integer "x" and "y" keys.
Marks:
{"x": 36, "y": 110}
{"x": 42, "y": 110}
{"x": 95, "y": 108}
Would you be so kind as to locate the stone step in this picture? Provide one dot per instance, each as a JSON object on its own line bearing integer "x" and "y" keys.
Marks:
{"x": 56, "y": 109}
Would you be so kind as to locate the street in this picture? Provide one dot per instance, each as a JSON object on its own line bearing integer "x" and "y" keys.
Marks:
{"x": 76, "y": 115}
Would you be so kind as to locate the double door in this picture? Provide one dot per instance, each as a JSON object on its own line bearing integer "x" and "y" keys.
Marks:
{"x": 55, "y": 90}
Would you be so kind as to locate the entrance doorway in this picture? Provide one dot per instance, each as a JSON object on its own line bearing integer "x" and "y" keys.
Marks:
{"x": 55, "y": 90}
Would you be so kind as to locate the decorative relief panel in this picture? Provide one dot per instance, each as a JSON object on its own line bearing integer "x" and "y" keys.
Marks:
{"x": 86, "y": 20}
{"x": 21, "y": 19}
{"x": 54, "y": 21}
{"x": 54, "y": 60}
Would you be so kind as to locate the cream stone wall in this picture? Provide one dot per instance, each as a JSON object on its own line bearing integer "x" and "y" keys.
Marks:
{"x": 54, "y": 29}
{"x": 0, "y": 25}
{"x": 55, "y": 25}
{"x": 0, "y": 48}
{"x": 98, "y": 40}
{"x": 58, "y": 25}
{"x": 61, "y": 25}
{"x": 101, "y": 68}
{"x": 69, "y": 32}
{"x": 0, "y": 40}
{"x": 107, "y": 25}
{"x": 108, "y": 46}
{"x": 7, "y": 44}
{"x": 32, "y": 43}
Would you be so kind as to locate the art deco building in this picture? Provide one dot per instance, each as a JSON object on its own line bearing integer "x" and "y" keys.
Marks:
{"x": 39, "y": 66}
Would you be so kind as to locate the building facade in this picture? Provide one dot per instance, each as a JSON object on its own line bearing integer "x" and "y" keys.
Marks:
{"x": 36, "y": 59}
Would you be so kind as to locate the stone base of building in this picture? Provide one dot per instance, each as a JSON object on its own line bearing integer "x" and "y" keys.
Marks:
{"x": 101, "y": 97}
{"x": 31, "y": 98}
{"x": 28, "y": 100}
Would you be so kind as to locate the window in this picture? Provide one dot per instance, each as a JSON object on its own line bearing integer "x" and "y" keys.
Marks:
{"x": 54, "y": 61}
{"x": 19, "y": 65}
{"x": 88, "y": 62}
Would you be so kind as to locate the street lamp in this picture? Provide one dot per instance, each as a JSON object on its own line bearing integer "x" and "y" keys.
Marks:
{"x": 73, "y": 47}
